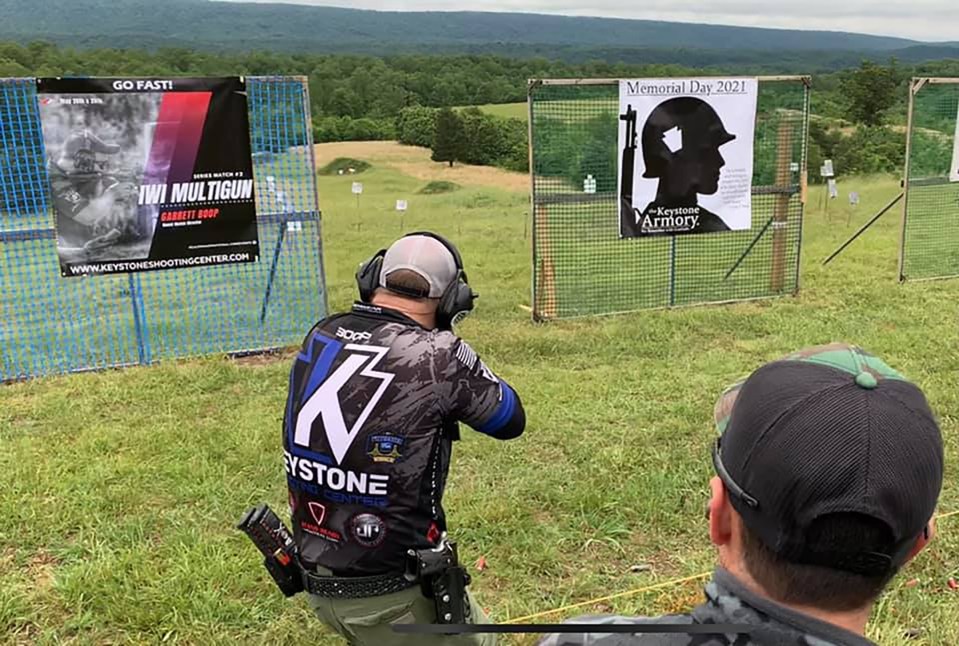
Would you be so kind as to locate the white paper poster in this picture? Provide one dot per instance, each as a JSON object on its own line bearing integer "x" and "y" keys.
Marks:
{"x": 686, "y": 162}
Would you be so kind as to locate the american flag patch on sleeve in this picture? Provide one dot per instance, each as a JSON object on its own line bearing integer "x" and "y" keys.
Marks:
{"x": 466, "y": 355}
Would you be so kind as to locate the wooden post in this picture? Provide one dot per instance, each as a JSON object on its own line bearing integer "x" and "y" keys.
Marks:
{"x": 781, "y": 212}
{"x": 546, "y": 304}
{"x": 914, "y": 87}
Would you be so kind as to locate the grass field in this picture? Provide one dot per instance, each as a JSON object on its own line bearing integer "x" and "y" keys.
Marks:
{"x": 121, "y": 488}
{"x": 510, "y": 110}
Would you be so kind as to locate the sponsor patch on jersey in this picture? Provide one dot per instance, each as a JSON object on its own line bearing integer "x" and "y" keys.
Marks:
{"x": 384, "y": 449}
{"x": 466, "y": 355}
{"x": 433, "y": 533}
{"x": 318, "y": 514}
{"x": 352, "y": 335}
{"x": 368, "y": 530}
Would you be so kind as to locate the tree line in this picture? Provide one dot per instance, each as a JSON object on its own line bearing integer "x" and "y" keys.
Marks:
{"x": 399, "y": 97}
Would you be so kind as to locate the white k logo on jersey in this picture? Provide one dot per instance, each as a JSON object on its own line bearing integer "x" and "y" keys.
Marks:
{"x": 325, "y": 402}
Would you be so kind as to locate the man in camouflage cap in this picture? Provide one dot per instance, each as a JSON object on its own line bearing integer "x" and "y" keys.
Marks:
{"x": 829, "y": 466}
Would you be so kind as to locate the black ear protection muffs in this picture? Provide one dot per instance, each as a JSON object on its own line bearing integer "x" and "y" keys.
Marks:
{"x": 456, "y": 301}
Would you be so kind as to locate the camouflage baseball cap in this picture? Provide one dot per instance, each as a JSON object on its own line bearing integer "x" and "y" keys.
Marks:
{"x": 830, "y": 430}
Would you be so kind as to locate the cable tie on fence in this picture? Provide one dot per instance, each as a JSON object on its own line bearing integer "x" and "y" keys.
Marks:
{"x": 638, "y": 591}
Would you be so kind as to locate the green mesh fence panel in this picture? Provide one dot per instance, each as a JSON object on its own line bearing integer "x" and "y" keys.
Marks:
{"x": 930, "y": 240}
{"x": 581, "y": 267}
{"x": 50, "y": 324}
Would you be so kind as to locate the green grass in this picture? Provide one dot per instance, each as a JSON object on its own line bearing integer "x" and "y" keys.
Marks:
{"x": 121, "y": 488}
{"x": 439, "y": 187}
{"x": 932, "y": 235}
{"x": 508, "y": 110}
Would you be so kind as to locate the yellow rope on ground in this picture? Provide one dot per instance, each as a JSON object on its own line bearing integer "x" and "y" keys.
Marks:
{"x": 631, "y": 593}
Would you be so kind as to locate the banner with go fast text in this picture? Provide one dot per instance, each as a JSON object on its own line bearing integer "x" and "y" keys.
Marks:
{"x": 149, "y": 174}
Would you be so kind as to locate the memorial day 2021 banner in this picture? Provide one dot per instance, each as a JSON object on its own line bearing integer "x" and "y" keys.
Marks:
{"x": 686, "y": 162}
{"x": 149, "y": 174}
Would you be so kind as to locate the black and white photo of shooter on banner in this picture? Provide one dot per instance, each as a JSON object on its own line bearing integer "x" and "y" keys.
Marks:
{"x": 686, "y": 171}
{"x": 96, "y": 165}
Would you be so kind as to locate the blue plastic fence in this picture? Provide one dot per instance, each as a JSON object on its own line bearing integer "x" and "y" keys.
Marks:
{"x": 50, "y": 324}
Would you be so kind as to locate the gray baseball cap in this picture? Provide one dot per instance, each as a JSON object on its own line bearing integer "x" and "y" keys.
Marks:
{"x": 425, "y": 256}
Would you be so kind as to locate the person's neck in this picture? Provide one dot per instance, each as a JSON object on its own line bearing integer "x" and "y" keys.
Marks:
{"x": 665, "y": 198}
{"x": 423, "y": 313}
{"x": 854, "y": 621}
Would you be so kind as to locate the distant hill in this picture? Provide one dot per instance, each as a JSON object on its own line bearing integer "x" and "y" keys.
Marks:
{"x": 231, "y": 26}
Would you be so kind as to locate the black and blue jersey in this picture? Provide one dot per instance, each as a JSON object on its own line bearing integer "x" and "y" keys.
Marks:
{"x": 373, "y": 408}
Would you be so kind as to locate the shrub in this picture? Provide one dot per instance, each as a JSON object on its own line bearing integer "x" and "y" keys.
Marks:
{"x": 439, "y": 187}
{"x": 344, "y": 164}
{"x": 416, "y": 125}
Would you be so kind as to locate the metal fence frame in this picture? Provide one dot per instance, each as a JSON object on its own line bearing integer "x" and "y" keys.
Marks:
{"x": 539, "y": 316}
{"x": 275, "y": 113}
{"x": 915, "y": 86}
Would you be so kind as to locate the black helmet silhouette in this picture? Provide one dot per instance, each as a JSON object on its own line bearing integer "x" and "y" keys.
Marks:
{"x": 698, "y": 128}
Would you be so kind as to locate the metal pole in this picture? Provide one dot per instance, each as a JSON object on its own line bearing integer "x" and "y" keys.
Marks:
{"x": 276, "y": 260}
{"x": 533, "y": 213}
{"x": 139, "y": 323}
{"x": 914, "y": 87}
{"x": 863, "y": 229}
{"x": 672, "y": 271}
{"x": 529, "y": 145}
{"x": 749, "y": 249}
{"x": 804, "y": 181}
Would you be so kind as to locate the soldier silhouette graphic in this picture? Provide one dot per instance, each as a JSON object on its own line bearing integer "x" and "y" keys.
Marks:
{"x": 680, "y": 141}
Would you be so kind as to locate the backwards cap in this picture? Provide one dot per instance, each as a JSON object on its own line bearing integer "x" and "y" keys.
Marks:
{"x": 425, "y": 256}
{"x": 830, "y": 430}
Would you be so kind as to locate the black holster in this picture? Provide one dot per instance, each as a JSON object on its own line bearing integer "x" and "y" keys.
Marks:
{"x": 277, "y": 546}
{"x": 443, "y": 580}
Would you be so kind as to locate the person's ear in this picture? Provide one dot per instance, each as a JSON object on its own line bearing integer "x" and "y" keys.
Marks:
{"x": 719, "y": 514}
{"x": 924, "y": 539}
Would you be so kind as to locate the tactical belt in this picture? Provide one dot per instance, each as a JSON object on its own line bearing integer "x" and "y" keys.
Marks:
{"x": 335, "y": 587}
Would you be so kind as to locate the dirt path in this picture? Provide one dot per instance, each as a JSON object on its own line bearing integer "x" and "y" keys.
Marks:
{"x": 416, "y": 162}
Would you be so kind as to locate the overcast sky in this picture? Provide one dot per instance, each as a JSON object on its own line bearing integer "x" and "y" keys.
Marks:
{"x": 931, "y": 20}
